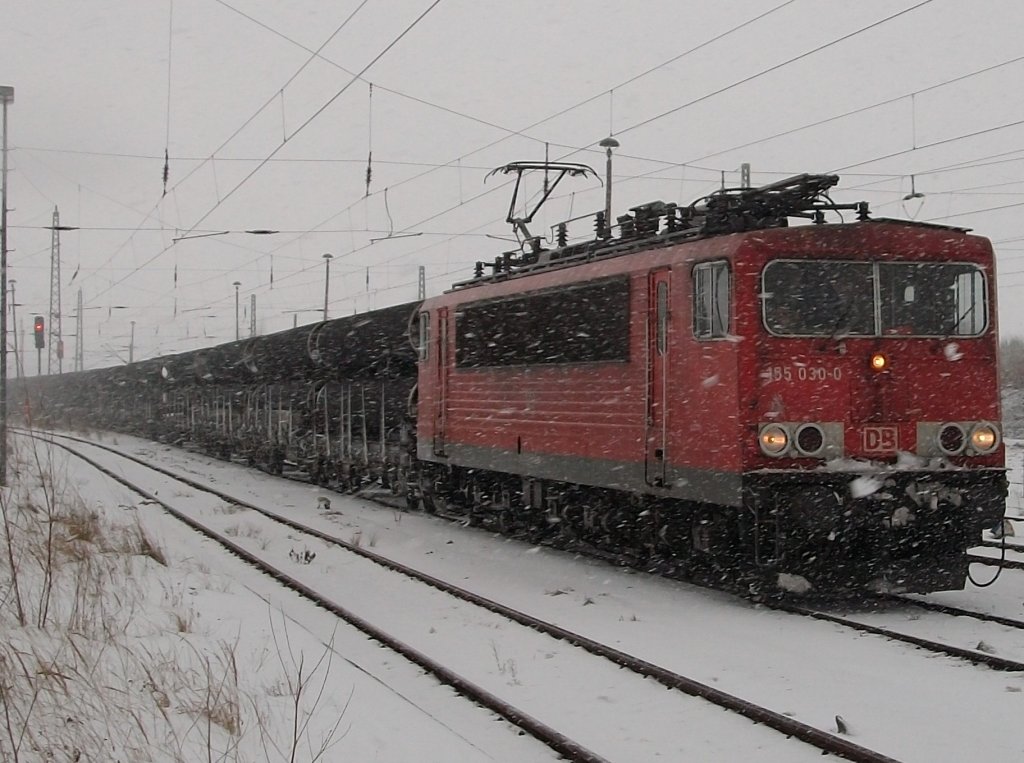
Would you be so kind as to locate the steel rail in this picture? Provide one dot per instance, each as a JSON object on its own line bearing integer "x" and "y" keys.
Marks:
{"x": 554, "y": 739}
{"x": 823, "y": 740}
{"x": 978, "y": 658}
{"x": 948, "y": 609}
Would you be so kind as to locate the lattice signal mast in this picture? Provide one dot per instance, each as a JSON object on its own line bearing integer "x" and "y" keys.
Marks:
{"x": 56, "y": 354}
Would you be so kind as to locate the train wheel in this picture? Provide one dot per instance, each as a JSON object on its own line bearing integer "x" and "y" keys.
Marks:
{"x": 570, "y": 526}
{"x": 400, "y": 486}
{"x": 427, "y": 495}
{"x": 355, "y": 480}
{"x": 504, "y": 521}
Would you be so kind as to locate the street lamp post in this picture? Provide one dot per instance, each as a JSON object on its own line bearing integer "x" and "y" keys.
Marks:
{"x": 236, "y": 285}
{"x": 327, "y": 281}
{"x": 6, "y": 97}
{"x": 608, "y": 144}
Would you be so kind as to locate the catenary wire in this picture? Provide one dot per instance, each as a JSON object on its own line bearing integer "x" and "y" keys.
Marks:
{"x": 244, "y": 124}
{"x": 805, "y": 54}
{"x": 299, "y": 129}
{"x": 542, "y": 121}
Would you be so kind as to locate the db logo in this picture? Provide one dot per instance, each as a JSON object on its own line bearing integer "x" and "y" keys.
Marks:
{"x": 881, "y": 439}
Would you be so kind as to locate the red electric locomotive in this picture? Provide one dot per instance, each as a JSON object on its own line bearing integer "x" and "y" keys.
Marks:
{"x": 811, "y": 406}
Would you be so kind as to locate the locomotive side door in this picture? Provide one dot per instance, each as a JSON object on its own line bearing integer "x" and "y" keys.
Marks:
{"x": 658, "y": 303}
{"x": 442, "y": 359}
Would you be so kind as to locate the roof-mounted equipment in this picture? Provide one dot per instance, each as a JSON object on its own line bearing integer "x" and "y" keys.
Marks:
{"x": 767, "y": 206}
{"x": 562, "y": 168}
{"x": 660, "y": 223}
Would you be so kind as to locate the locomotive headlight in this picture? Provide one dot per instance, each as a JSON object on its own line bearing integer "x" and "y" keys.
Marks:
{"x": 952, "y": 439}
{"x": 809, "y": 440}
{"x": 774, "y": 439}
{"x": 984, "y": 438}
{"x": 879, "y": 362}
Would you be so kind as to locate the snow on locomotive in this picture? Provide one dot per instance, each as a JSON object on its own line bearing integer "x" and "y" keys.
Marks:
{"x": 814, "y": 406}
{"x": 704, "y": 389}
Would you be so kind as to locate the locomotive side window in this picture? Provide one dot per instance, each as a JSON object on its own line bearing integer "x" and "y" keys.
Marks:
{"x": 711, "y": 300}
{"x": 586, "y": 324}
{"x": 841, "y": 298}
{"x": 424, "y": 337}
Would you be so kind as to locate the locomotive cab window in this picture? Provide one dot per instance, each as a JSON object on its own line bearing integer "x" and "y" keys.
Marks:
{"x": 842, "y": 298}
{"x": 819, "y": 298}
{"x": 711, "y": 300}
{"x": 933, "y": 299}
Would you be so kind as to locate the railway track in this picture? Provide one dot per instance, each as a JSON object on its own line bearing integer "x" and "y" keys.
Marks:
{"x": 560, "y": 743}
{"x": 948, "y": 609}
{"x": 970, "y": 655}
{"x": 824, "y": 741}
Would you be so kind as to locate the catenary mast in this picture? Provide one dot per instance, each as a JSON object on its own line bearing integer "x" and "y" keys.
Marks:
{"x": 55, "y": 360}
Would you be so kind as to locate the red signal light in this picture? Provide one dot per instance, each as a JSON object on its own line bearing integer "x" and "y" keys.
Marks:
{"x": 40, "y": 332}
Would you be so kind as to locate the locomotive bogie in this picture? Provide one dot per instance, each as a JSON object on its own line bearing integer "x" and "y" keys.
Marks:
{"x": 887, "y": 530}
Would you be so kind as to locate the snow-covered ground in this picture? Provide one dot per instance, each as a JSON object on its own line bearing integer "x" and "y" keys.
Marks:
{"x": 565, "y": 687}
{"x": 204, "y": 655}
{"x": 895, "y": 699}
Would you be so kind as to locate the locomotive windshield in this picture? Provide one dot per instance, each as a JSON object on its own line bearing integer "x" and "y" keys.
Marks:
{"x": 839, "y": 298}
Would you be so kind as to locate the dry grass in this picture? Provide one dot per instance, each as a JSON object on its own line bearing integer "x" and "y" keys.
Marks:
{"x": 506, "y": 667}
{"x": 148, "y": 547}
{"x": 83, "y": 526}
{"x": 94, "y": 666}
{"x": 183, "y": 620}
{"x": 215, "y": 699}
{"x": 244, "y": 531}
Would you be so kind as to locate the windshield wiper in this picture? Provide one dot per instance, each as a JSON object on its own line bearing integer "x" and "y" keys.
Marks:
{"x": 954, "y": 330}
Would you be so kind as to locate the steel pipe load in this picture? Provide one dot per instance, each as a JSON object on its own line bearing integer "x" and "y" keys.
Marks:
{"x": 218, "y": 365}
{"x": 175, "y": 369}
{"x": 277, "y": 357}
{"x": 366, "y": 345}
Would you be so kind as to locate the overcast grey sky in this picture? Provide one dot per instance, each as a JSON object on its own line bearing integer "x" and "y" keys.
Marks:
{"x": 877, "y": 91}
